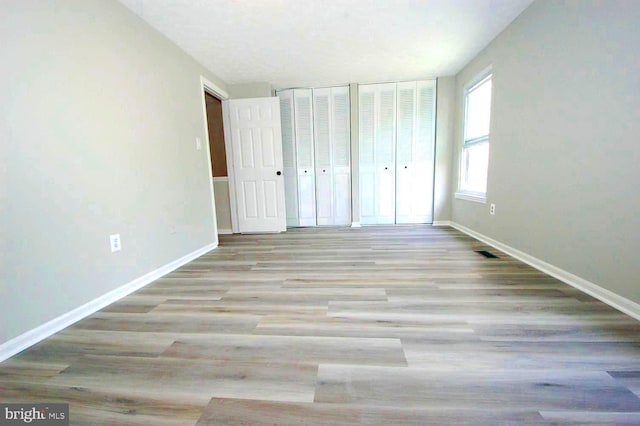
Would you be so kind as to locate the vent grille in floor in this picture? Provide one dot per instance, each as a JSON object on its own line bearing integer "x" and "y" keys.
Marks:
{"x": 487, "y": 254}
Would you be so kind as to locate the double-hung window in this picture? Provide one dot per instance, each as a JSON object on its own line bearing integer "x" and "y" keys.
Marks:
{"x": 475, "y": 147}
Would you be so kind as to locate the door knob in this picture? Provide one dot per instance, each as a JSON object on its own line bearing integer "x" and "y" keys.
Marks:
{"x": 405, "y": 167}
{"x": 278, "y": 172}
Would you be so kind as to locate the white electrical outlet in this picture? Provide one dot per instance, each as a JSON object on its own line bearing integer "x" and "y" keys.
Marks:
{"x": 115, "y": 242}
{"x": 198, "y": 144}
{"x": 492, "y": 209}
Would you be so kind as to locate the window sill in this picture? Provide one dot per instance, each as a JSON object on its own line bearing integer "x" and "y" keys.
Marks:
{"x": 471, "y": 197}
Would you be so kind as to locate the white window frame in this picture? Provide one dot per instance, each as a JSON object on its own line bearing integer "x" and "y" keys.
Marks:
{"x": 481, "y": 78}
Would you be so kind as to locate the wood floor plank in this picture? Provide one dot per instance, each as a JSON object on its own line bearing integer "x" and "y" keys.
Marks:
{"x": 629, "y": 377}
{"x": 203, "y": 290}
{"x": 19, "y": 369}
{"x": 553, "y": 331}
{"x": 590, "y": 418}
{"x": 507, "y": 295}
{"x": 239, "y": 308}
{"x": 312, "y": 324}
{"x": 517, "y": 388}
{"x": 290, "y": 349}
{"x": 305, "y": 296}
{"x": 194, "y": 379}
{"x": 487, "y": 355}
{"x": 88, "y": 406}
{"x": 325, "y": 293}
{"x": 223, "y": 411}
{"x": 193, "y": 322}
{"x": 76, "y": 342}
{"x": 355, "y": 282}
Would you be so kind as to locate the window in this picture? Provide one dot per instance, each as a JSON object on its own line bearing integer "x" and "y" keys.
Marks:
{"x": 475, "y": 148}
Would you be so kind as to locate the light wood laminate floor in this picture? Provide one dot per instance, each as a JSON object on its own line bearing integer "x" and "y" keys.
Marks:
{"x": 342, "y": 326}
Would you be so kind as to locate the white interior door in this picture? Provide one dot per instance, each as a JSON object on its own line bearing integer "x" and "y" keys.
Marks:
{"x": 256, "y": 142}
{"x": 303, "y": 115}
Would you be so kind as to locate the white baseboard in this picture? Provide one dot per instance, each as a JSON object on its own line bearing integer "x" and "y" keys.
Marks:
{"x": 355, "y": 224}
{"x": 31, "y": 337}
{"x": 612, "y": 299}
{"x": 225, "y": 231}
{"x": 441, "y": 223}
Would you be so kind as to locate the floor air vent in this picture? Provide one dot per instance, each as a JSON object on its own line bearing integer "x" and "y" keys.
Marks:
{"x": 487, "y": 254}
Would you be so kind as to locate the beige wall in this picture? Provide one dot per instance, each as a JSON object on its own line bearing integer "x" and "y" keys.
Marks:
{"x": 250, "y": 90}
{"x": 445, "y": 120}
{"x": 99, "y": 119}
{"x": 223, "y": 205}
{"x": 564, "y": 156}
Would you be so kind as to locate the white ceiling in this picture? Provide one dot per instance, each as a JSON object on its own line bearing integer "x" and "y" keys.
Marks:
{"x": 313, "y": 43}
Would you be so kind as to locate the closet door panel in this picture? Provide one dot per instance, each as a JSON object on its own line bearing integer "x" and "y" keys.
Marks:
{"x": 341, "y": 127}
{"x": 342, "y": 197}
{"x": 385, "y": 125}
{"x": 423, "y": 204}
{"x": 307, "y": 200}
{"x": 386, "y": 197}
{"x": 406, "y": 123}
{"x": 341, "y": 155}
{"x": 424, "y": 151}
{"x": 377, "y": 117}
{"x": 426, "y": 114}
{"x": 322, "y": 146}
{"x": 303, "y": 114}
{"x": 407, "y": 192}
{"x": 385, "y": 142}
{"x": 289, "y": 168}
{"x": 367, "y": 130}
{"x": 324, "y": 197}
{"x": 368, "y": 208}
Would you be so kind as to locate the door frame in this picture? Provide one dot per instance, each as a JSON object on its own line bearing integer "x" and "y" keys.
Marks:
{"x": 228, "y": 150}
{"x": 220, "y": 94}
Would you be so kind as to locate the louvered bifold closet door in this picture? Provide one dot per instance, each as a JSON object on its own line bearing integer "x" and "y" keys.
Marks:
{"x": 414, "y": 152}
{"x": 332, "y": 155}
{"x": 303, "y": 119}
{"x": 377, "y": 117}
{"x": 289, "y": 170}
